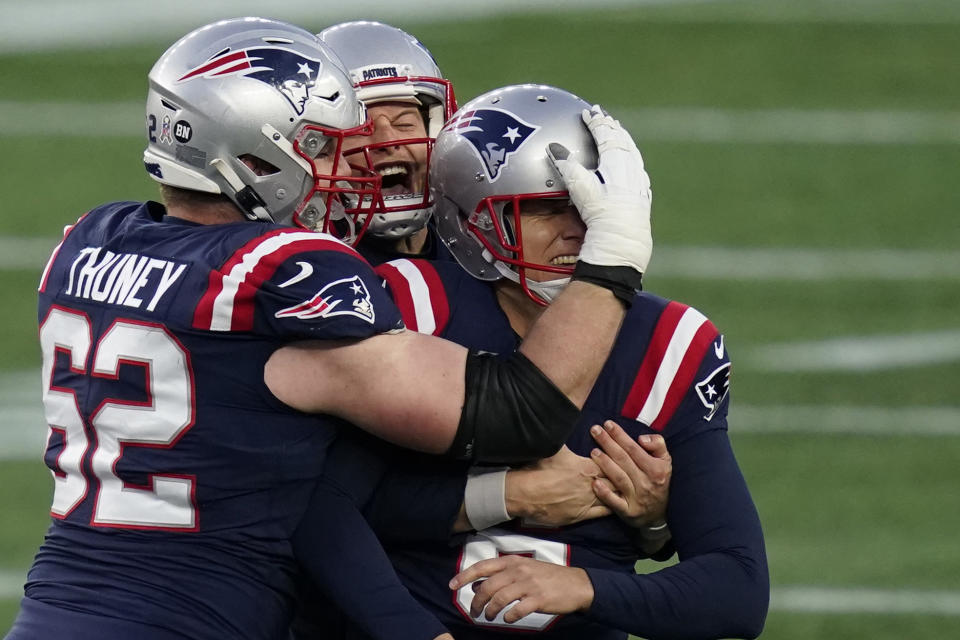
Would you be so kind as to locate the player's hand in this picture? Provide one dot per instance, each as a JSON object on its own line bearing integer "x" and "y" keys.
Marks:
{"x": 555, "y": 491}
{"x": 614, "y": 201}
{"x": 532, "y": 585}
{"x": 444, "y": 636}
{"x": 637, "y": 474}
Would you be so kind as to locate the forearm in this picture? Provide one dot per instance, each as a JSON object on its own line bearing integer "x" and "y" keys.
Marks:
{"x": 418, "y": 501}
{"x": 720, "y": 587}
{"x": 404, "y": 495}
{"x": 555, "y": 491}
{"x": 417, "y": 382}
{"x": 333, "y": 542}
{"x": 571, "y": 340}
{"x": 720, "y": 595}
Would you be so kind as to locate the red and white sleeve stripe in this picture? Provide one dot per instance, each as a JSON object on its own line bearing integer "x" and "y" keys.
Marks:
{"x": 228, "y": 303}
{"x": 419, "y": 293}
{"x": 680, "y": 340}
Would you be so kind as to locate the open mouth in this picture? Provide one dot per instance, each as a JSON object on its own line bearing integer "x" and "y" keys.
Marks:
{"x": 397, "y": 178}
{"x": 564, "y": 261}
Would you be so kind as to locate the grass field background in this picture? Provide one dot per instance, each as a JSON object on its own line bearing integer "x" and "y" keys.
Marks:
{"x": 804, "y": 159}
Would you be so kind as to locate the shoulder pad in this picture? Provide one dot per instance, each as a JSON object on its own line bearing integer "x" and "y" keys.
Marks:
{"x": 681, "y": 340}
{"x": 228, "y": 303}
{"x": 419, "y": 292}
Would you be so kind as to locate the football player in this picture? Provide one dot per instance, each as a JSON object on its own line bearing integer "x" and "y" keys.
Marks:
{"x": 430, "y": 493}
{"x": 408, "y": 100}
{"x": 180, "y": 473}
{"x": 516, "y": 232}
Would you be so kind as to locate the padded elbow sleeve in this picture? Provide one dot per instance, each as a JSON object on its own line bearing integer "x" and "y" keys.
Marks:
{"x": 512, "y": 412}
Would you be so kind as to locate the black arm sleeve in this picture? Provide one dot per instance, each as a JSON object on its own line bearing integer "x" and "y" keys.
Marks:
{"x": 721, "y": 586}
{"x": 512, "y": 412}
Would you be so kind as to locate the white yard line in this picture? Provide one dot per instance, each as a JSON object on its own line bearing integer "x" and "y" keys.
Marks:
{"x": 702, "y": 263}
{"x": 814, "y": 599}
{"x": 22, "y": 426}
{"x": 667, "y": 124}
{"x": 11, "y": 584}
{"x": 877, "y": 12}
{"x": 50, "y": 24}
{"x": 856, "y": 353}
{"x": 73, "y": 119}
{"x": 912, "y": 421}
{"x": 26, "y": 252}
{"x": 790, "y": 126}
{"x": 803, "y": 599}
{"x": 804, "y": 264}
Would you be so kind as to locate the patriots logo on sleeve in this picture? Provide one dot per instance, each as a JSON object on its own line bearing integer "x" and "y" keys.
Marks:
{"x": 713, "y": 389}
{"x": 346, "y": 297}
{"x": 494, "y": 134}
{"x": 288, "y": 72}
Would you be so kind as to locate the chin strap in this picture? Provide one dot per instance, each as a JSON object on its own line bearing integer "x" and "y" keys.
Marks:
{"x": 250, "y": 203}
{"x": 546, "y": 290}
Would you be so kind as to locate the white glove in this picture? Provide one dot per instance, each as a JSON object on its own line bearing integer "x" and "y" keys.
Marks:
{"x": 616, "y": 208}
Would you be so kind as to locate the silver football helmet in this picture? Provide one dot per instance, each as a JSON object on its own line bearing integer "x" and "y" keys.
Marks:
{"x": 491, "y": 156}
{"x": 269, "y": 93}
{"x": 388, "y": 64}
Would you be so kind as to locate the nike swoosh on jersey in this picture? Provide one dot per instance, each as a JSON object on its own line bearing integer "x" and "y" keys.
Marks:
{"x": 306, "y": 270}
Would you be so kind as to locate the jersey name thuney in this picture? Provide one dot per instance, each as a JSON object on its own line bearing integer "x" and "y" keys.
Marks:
{"x": 125, "y": 279}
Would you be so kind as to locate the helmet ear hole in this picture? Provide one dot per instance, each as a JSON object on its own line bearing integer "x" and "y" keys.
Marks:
{"x": 258, "y": 166}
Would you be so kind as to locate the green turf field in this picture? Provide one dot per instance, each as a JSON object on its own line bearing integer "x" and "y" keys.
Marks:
{"x": 826, "y": 133}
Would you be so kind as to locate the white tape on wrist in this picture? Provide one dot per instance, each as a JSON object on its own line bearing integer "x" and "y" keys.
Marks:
{"x": 484, "y": 497}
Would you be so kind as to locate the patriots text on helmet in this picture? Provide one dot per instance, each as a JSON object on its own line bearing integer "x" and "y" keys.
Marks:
{"x": 380, "y": 72}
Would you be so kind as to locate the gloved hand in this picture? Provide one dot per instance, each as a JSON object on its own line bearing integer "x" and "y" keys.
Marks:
{"x": 614, "y": 201}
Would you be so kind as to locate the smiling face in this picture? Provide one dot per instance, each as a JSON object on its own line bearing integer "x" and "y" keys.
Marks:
{"x": 552, "y": 233}
{"x": 403, "y": 167}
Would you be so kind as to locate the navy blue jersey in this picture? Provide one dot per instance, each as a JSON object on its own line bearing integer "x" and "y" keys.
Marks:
{"x": 668, "y": 373}
{"x": 179, "y": 478}
{"x": 413, "y": 496}
{"x": 380, "y": 250}
{"x": 358, "y": 466}
{"x": 442, "y": 299}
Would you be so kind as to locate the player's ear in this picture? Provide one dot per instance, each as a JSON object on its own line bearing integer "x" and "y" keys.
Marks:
{"x": 259, "y": 166}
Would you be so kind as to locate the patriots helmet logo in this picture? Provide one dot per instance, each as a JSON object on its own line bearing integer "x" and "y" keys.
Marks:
{"x": 495, "y": 134}
{"x": 713, "y": 389}
{"x": 345, "y": 297}
{"x": 287, "y": 71}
